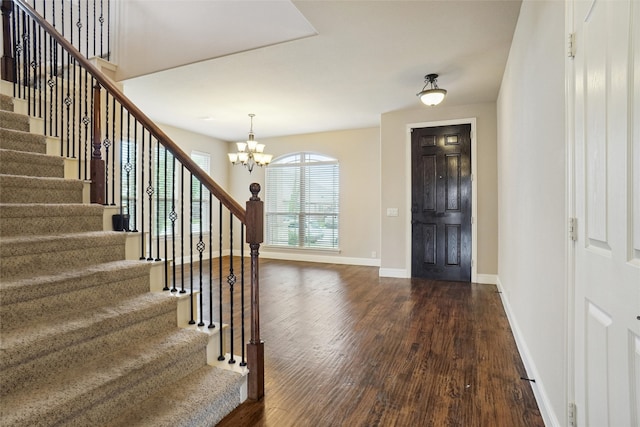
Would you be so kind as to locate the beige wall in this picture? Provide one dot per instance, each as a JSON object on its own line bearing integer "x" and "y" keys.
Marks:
{"x": 358, "y": 152}
{"x": 190, "y": 141}
{"x": 394, "y": 152}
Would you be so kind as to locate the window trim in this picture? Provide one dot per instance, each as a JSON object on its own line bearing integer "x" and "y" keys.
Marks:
{"x": 303, "y": 160}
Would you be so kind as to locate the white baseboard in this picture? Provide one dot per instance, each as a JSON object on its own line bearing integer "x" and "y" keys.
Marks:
{"x": 544, "y": 405}
{"x": 487, "y": 279}
{"x": 315, "y": 257}
{"x": 399, "y": 273}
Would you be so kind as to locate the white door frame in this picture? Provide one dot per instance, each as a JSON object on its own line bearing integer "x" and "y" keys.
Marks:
{"x": 474, "y": 190}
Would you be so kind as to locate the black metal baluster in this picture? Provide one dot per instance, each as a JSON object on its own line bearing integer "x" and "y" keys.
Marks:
{"x": 101, "y": 20}
{"x": 135, "y": 136}
{"x": 94, "y": 28}
{"x": 85, "y": 122}
{"x": 15, "y": 22}
{"x": 108, "y": 30}
{"x": 27, "y": 61}
{"x": 39, "y": 64}
{"x": 134, "y": 204}
{"x": 52, "y": 83}
{"x": 79, "y": 26}
{"x": 231, "y": 280}
{"x": 106, "y": 143}
{"x": 33, "y": 63}
{"x": 182, "y": 291}
{"x": 113, "y": 162}
{"x": 158, "y": 201}
{"x": 73, "y": 119}
{"x": 191, "y": 321}
{"x": 220, "y": 337}
{"x": 67, "y": 102}
{"x": 166, "y": 233}
{"x": 128, "y": 166}
{"x": 150, "y": 191}
{"x": 201, "y": 247}
{"x": 173, "y": 216}
{"x": 211, "y": 325}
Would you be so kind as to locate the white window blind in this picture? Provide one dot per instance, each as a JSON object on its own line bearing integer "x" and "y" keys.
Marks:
{"x": 302, "y": 201}
{"x": 200, "y": 219}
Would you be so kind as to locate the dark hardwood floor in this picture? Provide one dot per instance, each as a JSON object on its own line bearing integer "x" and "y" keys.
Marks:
{"x": 345, "y": 347}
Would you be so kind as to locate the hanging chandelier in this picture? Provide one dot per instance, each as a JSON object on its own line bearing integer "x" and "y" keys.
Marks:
{"x": 433, "y": 95}
{"x": 251, "y": 152}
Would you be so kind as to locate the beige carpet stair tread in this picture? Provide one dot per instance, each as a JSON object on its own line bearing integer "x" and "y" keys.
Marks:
{"x": 13, "y": 291}
{"x": 29, "y": 189}
{"x": 11, "y": 120}
{"x": 28, "y": 256}
{"x": 84, "y": 385}
{"x": 6, "y": 102}
{"x": 52, "y": 334}
{"x": 188, "y": 402}
{"x": 43, "y": 218}
{"x": 14, "y": 162}
{"x": 22, "y": 141}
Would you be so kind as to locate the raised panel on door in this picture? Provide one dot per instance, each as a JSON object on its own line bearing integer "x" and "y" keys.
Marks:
{"x": 441, "y": 203}
{"x": 607, "y": 262}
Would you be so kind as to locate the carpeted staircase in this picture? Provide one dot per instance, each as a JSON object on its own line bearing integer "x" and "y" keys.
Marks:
{"x": 83, "y": 340}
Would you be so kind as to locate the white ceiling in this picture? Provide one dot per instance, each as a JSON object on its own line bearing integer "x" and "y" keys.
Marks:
{"x": 306, "y": 66}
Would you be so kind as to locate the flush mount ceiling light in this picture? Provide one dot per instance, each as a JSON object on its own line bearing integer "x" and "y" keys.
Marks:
{"x": 250, "y": 153}
{"x": 432, "y": 95}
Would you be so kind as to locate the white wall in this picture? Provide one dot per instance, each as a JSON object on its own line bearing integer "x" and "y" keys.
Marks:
{"x": 531, "y": 198}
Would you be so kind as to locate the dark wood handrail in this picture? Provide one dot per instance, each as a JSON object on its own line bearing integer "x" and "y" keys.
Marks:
{"x": 229, "y": 202}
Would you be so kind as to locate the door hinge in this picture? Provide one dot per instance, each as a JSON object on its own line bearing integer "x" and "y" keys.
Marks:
{"x": 571, "y": 45}
{"x": 572, "y": 415}
{"x": 573, "y": 229}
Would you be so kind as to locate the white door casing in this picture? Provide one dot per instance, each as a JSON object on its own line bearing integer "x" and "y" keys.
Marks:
{"x": 606, "y": 107}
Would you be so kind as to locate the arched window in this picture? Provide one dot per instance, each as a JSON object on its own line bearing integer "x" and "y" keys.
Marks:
{"x": 302, "y": 197}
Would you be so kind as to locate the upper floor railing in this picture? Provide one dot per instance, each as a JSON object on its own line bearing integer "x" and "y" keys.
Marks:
{"x": 161, "y": 193}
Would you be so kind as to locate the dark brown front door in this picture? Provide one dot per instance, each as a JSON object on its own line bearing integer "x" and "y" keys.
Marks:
{"x": 441, "y": 202}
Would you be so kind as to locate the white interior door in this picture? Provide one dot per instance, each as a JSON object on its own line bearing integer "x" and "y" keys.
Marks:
{"x": 607, "y": 205}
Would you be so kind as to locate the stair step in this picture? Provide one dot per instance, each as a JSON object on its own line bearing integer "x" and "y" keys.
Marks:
{"x": 43, "y": 219}
{"x": 24, "y": 189}
{"x": 54, "y": 344}
{"x": 31, "y": 300}
{"x": 6, "y": 102}
{"x": 30, "y": 164}
{"x": 202, "y": 398}
{"x": 91, "y": 392}
{"x": 29, "y": 256}
{"x": 22, "y": 141}
{"x": 11, "y": 120}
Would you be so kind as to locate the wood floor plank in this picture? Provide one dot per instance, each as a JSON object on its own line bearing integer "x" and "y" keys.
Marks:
{"x": 344, "y": 347}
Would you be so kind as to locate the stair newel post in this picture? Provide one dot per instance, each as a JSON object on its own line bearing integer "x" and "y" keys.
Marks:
{"x": 8, "y": 61}
{"x": 97, "y": 164}
{"x": 255, "y": 347}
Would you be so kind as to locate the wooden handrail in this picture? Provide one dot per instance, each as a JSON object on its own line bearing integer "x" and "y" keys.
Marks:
{"x": 229, "y": 202}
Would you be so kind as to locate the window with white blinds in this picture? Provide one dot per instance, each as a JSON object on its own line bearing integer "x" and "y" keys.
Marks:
{"x": 200, "y": 195}
{"x": 302, "y": 201}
